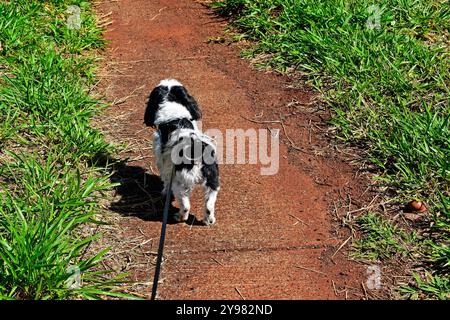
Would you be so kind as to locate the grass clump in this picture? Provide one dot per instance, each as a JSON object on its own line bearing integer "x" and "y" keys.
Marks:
{"x": 48, "y": 192}
{"x": 40, "y": 244}
{"x": 380, "y": 239}
{"x": 383, "y": 67}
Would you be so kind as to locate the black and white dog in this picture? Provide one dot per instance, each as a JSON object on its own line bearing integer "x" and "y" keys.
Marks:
{"x": 179, "y": 145}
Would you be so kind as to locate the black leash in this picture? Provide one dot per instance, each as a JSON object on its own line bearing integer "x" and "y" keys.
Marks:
{"x": 162, "y": 237}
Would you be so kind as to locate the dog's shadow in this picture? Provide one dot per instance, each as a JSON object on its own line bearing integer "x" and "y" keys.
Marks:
{"x": 140, "y": 195}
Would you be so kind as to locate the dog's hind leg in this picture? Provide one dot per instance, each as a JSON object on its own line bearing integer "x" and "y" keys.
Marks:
{"x": 163, "y": 163}
{"x": 185, "y": 207}
{"x": 182, "y": 195}
{"x": 210, "y": 202}
{"x": 164, "y": 190}
{"x": 211, "y": 186}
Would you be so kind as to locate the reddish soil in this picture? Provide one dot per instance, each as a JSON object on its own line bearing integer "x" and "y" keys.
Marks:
{"x": 275, "y": 237}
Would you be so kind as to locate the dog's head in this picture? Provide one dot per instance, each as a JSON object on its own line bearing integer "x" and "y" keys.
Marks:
{"x": 169, "y": 101}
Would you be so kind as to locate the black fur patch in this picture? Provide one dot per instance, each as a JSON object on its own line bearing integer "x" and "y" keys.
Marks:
{"x": 187, "y": 153}
{"x": 166, "y": 129}
{"x": 211, "y": 174}
{"x": 156, "y": 98}
{"x": 180, "y": 95}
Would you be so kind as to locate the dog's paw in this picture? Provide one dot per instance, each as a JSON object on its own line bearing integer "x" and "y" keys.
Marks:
{"x": 180, "y": 217}
{"x": 209, "y": 220}
{"x": 183, "y": 216}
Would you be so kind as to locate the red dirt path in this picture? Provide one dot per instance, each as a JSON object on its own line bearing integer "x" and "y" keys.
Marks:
{"x": 274, "y": 237}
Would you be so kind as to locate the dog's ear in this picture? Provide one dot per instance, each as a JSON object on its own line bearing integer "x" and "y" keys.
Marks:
{"x": 180, "y": 95}
{"x": 154, "y": 100}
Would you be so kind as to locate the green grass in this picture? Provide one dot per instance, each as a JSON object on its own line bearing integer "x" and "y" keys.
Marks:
{"x": 49, "y": 188}
{"x": 388, "y": 87}
{"x": 381, "y": 239}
